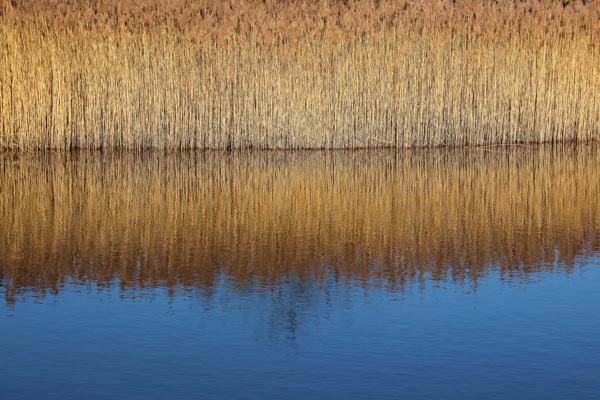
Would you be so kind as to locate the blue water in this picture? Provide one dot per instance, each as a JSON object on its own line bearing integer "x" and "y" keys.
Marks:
{"x": 375, "y": 275}
{"x": 538, "y": 340}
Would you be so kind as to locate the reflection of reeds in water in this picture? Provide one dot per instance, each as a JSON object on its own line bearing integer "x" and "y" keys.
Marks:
{"x": 297, "y": 74}
{"x": 187, "y": 219}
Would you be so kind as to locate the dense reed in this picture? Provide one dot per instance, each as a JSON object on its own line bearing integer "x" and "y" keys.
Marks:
{"x": 385, "y": 218}
{"x": 305, "y": 74}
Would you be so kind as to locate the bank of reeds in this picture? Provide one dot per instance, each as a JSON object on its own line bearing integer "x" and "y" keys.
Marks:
{"x": 306, "y": 74}
{"x": 395, "y": 219}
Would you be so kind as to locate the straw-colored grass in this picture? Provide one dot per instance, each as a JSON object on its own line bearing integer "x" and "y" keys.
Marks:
{"x": 383, "y": 218}
{"x": 174, "y": 74}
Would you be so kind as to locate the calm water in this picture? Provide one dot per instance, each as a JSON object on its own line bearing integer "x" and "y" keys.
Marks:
{"x": 379, "y": 275}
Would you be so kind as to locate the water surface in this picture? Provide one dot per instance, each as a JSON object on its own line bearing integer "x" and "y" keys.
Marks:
{"x": 429, "y": 274}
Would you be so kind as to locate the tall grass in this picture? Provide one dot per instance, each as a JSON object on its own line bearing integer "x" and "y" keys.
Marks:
{"x": 297, "y": 74}
{"x": 379, "y": 217}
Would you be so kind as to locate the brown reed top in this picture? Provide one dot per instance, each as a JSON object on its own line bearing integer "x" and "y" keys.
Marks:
{"x": 289, "y": 18}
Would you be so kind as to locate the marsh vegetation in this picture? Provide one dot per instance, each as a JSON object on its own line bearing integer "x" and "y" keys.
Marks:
{"x": 297, "y": 74}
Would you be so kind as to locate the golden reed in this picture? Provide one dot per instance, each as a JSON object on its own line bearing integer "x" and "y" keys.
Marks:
{"x": 382, "y": 217}
{"x": 173, "y": 74}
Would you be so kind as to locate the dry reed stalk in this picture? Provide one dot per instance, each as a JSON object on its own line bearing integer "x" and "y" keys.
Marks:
{"x": 156, "y": 220}
{"x": 306, "y": 74}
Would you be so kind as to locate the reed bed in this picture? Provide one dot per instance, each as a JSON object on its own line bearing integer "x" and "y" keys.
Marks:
{"x": 378, "y": 218}
{"x": 207, "y": 74}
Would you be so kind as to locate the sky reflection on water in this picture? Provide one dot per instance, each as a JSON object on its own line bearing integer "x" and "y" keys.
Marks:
{"x": 534, "y": 340}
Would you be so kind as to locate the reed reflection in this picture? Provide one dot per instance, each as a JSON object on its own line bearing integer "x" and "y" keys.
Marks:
{"x": 382, "y": 218}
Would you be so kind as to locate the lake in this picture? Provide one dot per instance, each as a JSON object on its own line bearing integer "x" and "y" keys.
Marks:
{"x": 434, "y": 274}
